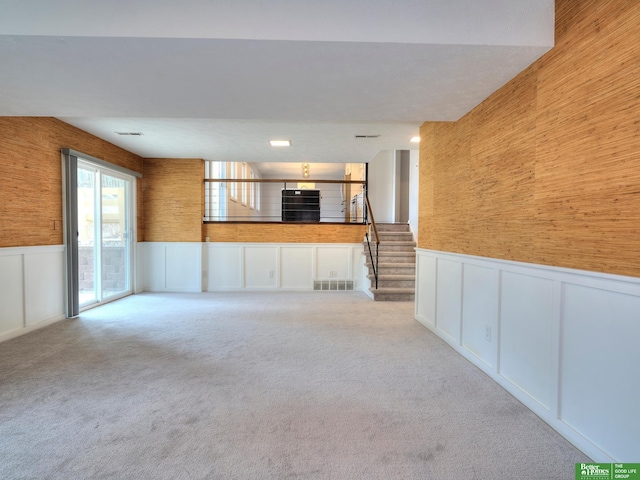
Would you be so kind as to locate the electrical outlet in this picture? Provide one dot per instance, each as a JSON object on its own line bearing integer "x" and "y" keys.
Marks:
{"x": 333, "y": 274}
{"x": 56, "y": 224}
{"x": 271, "y": 273}
{"x": 487, "y": 333}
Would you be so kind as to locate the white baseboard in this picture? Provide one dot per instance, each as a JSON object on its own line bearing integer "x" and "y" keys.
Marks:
{"x": 24, "y": 330}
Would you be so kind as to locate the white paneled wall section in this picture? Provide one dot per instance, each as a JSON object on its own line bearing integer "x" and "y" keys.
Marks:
{"x": 172, "y": 266}
{"x": 31, "y": 288}
{"x": 284, "y": 266}
{"x": 196, "y": 267}
{"x": 564, "y": 342}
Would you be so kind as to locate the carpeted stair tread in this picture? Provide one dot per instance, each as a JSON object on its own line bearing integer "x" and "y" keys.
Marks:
{"x": 392, "y": 290}
{"x": 392, "y": 277}
{"x": 395, "y": 242}
{"x": 388, "y": 294}
{"x": 393, "y": 264}
{"x": 396, "y": 263}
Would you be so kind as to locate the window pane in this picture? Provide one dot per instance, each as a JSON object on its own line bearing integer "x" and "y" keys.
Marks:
{"x": 114, "y": 242}
{"x": 86, "y": 236}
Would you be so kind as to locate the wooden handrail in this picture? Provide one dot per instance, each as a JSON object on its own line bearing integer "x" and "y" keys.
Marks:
{"x": 373, "y": 220}
{"x": 374, "y": 262}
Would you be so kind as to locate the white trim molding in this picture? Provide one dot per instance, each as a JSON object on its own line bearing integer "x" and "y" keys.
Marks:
{"x": 562, "y": 341}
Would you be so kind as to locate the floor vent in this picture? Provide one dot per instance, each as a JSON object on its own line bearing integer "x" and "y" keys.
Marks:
{"x": 333, "y": 285}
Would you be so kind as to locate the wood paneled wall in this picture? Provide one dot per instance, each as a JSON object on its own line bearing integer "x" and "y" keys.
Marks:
{"x": 547, "y": 169}
{"x": 173, "y": 199}
{"x": 283, "y": 233}
{"x": 31, "y": 177}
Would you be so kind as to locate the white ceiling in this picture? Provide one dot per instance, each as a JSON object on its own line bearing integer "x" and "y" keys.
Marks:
{"x": 216, "y": 79}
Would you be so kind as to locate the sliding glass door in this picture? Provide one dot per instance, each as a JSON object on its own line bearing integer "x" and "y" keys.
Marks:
{"x": 104, "y": 234}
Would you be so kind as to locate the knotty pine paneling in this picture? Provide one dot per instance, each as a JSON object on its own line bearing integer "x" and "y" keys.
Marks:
{"x": 547, "y": 169}
{"x": 173, "y": 199}
{"x": 31, "y": 173}
{"x": 283, "y": 233}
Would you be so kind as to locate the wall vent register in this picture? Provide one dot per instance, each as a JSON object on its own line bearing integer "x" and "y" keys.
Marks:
{"x": 333, "y": 285}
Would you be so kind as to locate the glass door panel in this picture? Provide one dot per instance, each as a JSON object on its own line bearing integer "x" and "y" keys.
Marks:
{"x": 104, "y": 239}
{"x": 87, "y": 254}
{"x": 114, "y": 236}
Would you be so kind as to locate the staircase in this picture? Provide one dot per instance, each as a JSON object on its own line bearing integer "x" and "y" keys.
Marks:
{"x": 396, "y": 263}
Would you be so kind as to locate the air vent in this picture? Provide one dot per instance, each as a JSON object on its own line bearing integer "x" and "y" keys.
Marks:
{"x": 367, "y": 136}
{"x": 130, "y": 134}
{"x": 333, "y": 285}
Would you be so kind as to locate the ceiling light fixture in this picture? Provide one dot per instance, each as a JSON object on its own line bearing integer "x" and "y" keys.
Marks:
{"x": 415, "y": 139}
{"x": 280, "y": 143}
{"x": 130, "y": 134}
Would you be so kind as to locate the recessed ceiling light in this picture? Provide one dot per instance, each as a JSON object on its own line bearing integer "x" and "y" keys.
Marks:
{"x": 130, "y": 134}
{"x": 415, "y": 139}
{"x": 280, "y": 143}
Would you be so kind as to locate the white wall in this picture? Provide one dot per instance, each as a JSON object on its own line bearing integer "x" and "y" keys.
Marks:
{"x": 401, "y": 186}
{"x": 393, "y": 187}
{"x": 284, "y": 266}
{"x": 196, "y": 267}
{"x": 172, "y": 266}
{"x": 139, "y": 268}
{"x": 31, "y": 288}
{"x": 272, "y": 201}
{"x": 414, "y": 191}
{"x": 564, "y": 342}
{"x": 381, "y": 186}
{"x": 331, "y": 202}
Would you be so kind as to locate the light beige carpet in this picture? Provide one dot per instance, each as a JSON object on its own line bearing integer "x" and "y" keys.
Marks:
{"x": 319, "y": 385}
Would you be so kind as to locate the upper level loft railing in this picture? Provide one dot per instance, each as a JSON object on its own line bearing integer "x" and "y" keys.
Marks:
{"x": 284, "y": 200}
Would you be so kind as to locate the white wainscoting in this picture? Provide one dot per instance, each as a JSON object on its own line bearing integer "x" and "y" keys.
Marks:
{"x": 139, "y": 269}
{"x": 280, "y": 266}
{"x": 31, "y": 288}
{"x": 172, "y": 266}
{"x": 564, "y": 342}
